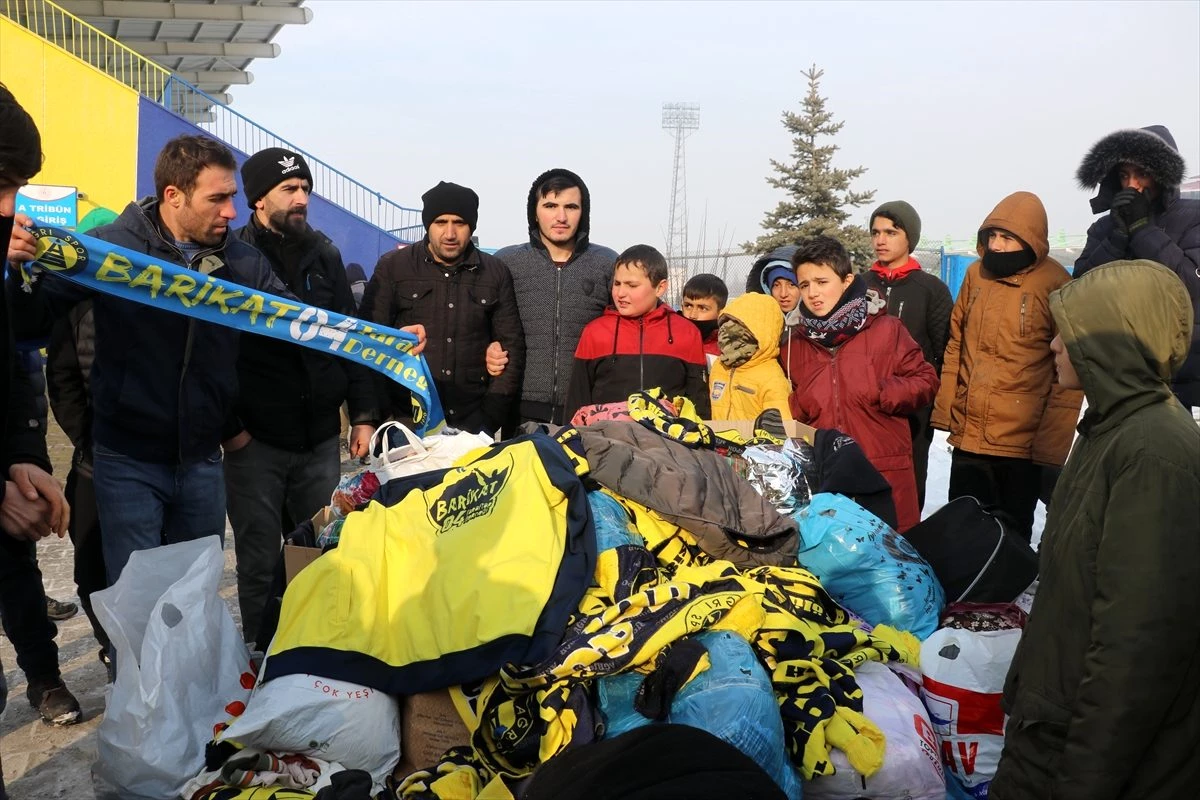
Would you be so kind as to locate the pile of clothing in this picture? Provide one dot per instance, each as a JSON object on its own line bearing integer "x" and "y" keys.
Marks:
{"x": 571, "y": 588}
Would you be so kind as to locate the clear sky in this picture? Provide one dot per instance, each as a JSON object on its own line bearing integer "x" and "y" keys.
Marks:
{"x": 950, "y": 106}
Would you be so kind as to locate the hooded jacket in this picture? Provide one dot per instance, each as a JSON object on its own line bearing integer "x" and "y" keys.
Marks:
{"x": 554, "y": 322}
{"x": 745, "y": 391}
{"x": 163, "y": 385}
{"x": 290, "y": 395}
{"x": 618, "y": 356}
{"x": 754, "y": 283}
{"x": 1173, "y": 236}
{"x": 867, "y": 387}
{"x": 998, "y": 394}
{"x": 1104, "y": 689}
{"x": 920, "y": 300}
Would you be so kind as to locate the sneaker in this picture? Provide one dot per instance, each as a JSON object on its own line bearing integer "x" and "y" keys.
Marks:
{"x": 57, "y": 610}
{"x": 54, "y": 702}
{"x": 110, "y": 666}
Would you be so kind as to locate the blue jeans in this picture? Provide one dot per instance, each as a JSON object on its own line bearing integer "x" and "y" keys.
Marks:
{"x": 144, "y": 505}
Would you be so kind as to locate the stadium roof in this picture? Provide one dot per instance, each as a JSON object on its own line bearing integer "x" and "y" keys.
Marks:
{"x": 207, "y": 43}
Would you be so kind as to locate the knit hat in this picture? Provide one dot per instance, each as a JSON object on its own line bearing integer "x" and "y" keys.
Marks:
{"x": 775, "y": 270}
{"x": 268, "y": 168}
{"x": 907, "y": 218}
{"x": 450, "y": 198}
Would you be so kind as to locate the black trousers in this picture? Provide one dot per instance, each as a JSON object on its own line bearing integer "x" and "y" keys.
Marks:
{"x": 23, "y": 610}
{"x": 89, "y": 553}
{"x": 922, "y": 439}
{"x": 1009, "y": 485}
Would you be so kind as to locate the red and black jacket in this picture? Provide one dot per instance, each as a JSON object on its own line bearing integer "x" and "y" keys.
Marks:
{"x": 618, "y": 356}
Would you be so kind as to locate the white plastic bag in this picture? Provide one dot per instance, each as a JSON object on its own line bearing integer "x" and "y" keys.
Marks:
{"x": 963, "y": 677}
{"x": 438, "y": 451}
{"x": 180, "y": 664}
{"x": 911, "y": 767}
{"x": 352, "y": 725}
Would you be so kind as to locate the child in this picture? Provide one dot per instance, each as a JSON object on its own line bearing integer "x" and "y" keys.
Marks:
{"x": 856, "y": 369}
{"x": 999, "y": 401}
{"x": 639, "y": 343}
{"x": 748, "y": 378}
{"x": 779, "y": 281}
{"x": 918, "y": 299}
{"x": 704, "y": 297}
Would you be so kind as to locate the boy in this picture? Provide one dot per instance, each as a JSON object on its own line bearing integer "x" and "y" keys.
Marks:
{"x": 998, "y": 398}
{"x": 1102, "y": 694}
{"x": 919, "y": 300}
{"x": 639, "y": 343}
{"x": 704, "y": 298}
{"x": 779, "y": 281}
{"x": 747, "y": 378}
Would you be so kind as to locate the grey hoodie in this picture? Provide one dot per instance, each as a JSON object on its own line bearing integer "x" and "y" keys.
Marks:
{"x": 555, "y": 302}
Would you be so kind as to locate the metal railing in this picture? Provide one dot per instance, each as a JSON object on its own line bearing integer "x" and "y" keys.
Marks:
{"x": 92, "y": 46}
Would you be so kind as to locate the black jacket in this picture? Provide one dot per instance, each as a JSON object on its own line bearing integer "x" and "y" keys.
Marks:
{"x": 69, "y": 358}
{"x": 290, "y": 395}
{"x": 463, "y": 308}
{"x": 1172, "y": 238}
{"x": 923, "y": 303}
{"x": 24, "y": 441}
{"x": 163, "y": 385}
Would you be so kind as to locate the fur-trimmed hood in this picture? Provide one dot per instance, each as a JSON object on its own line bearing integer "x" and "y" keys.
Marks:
{"x": 1152, "y": 148}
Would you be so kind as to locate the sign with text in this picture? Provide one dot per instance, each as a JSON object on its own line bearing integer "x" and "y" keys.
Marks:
{"x": 50, "y": 205}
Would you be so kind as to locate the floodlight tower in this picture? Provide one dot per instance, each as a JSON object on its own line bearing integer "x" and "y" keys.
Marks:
{"x": 679, "y": 119}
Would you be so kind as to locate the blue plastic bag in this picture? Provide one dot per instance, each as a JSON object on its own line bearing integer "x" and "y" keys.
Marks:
{"x": 612, "y": 523}
{"x": 732, "y": 699}
{"x": 867, "y": 567}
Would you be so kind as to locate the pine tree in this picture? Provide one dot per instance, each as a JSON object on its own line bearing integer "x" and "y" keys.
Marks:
{"x": 819, "y": 196}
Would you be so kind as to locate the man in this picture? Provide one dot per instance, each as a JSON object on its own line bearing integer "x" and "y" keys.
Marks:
{"x": 32, "y": 505}
{"x": 1102, "y": 695}
{"x": 1138, "y": 173}
{"x": 464, "y": 298}
{"x": 920, "y": 300}
{"x": 163, "y": 384}
{"x": 283, "y": 452}
{"x": 562, "y": 283}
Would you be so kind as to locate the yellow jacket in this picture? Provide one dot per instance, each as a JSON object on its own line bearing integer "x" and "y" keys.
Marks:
{"x": 745, "y": 391}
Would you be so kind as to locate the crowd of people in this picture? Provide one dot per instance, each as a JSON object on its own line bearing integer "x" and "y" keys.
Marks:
{"x": 178, "y": 423}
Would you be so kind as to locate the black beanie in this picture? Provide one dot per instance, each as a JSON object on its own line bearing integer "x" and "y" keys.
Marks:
{"x": 906, "y": 215}
{"x": 450, "y": 198}
{"x": 268, "y": 168}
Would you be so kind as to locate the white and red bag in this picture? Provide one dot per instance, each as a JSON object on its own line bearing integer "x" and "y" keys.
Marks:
{"x": 962, "y": 680}
{"x": 911, "y": 769}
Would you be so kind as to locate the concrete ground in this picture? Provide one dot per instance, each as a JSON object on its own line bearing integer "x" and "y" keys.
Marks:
{"x": 43, "y": 762}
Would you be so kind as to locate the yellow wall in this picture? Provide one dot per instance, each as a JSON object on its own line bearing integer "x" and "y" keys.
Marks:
{"x": 88, "y": 120}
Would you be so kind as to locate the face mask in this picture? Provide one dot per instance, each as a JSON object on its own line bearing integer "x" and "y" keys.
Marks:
{"x": 706, "y": 326}
{"x": 737, "y": 343}
{"x": 1003, "y": 265}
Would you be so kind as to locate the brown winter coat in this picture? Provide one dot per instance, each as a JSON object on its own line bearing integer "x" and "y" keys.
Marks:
{"x": 998, "y": 394}
{"x": 694, "y": 489}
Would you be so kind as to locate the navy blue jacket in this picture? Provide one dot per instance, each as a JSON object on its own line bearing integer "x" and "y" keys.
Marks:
{"x": 1172, "y": 239}
{"x": 163, "y": 385}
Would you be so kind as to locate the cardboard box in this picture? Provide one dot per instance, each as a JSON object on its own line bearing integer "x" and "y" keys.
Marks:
{"x": 795, "y": 430}
{"x": 296, "y": 558}
{"x": 429, "y": 726}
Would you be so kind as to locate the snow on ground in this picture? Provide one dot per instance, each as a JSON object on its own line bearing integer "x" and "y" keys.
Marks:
{"x": 937, "y": 484}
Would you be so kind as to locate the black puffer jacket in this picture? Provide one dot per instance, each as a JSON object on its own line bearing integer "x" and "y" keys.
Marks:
{"x": 919, "y": 300}
{"x": 556, "y": 303}
{"x": 290, "y": 395}
{"x": 1173, "y": 236}
{"x": 463, "y": 308}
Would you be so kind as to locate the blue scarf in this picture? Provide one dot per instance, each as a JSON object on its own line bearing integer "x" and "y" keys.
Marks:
{"x": 120, "y": 272}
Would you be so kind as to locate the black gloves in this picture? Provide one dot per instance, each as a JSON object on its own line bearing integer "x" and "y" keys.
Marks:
{"x": 1130, "y": 210}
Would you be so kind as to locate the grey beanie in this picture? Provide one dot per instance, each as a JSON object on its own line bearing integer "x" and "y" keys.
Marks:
{"x": 905, "y": 216}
